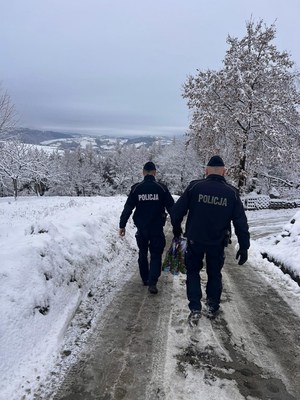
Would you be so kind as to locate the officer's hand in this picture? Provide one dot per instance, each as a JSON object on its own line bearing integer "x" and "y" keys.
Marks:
{"x": 177, "y": 232}
{"x": 122, "y": 231}
{"x": 242, "y": 254}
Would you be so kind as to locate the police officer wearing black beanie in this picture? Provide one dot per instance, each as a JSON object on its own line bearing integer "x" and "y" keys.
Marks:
{"x": 211, "y": 204}
{"x": 150, "y": 199}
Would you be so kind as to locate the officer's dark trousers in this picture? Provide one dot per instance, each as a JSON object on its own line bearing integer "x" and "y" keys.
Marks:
{"x": 152, "y": 240}
{"x": 194, "y": 256}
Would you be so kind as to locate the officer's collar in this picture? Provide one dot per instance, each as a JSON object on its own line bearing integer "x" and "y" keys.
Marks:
{"x": 149, "y": 177}
{"x": 215, "y": 177}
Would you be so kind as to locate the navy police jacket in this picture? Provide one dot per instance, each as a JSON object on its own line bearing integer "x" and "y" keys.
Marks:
{"x": 211, "y": 205}
{"x": 150, "y": 199}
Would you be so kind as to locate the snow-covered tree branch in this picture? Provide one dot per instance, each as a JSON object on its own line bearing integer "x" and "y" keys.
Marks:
{"x": 249, "y": 110}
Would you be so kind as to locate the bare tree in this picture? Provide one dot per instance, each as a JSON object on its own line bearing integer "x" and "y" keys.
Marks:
{"x": 7, "y": 114}
{"x": 38, "y": 170}
{"x": 178, "y": 164}
{"x": 14, "y": 162}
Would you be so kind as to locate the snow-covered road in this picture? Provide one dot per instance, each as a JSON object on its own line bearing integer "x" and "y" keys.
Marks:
{"x": 144, "y": 349}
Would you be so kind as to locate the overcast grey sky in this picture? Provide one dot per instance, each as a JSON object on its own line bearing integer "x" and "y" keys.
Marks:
{"x": 117, "y": 66}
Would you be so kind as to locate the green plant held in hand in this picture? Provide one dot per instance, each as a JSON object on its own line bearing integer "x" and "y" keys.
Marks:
{"x": 174, "y": 260}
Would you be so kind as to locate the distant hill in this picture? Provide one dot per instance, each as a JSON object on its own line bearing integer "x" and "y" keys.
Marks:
{"x": 104, "y": 143}
{"x": 34, "y": 136}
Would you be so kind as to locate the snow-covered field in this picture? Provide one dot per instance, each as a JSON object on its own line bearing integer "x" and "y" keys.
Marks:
{"x": 55, "y": 251}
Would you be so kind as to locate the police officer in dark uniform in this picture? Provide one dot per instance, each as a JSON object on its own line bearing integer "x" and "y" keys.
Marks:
{"x": 211, "y": 204}
{"x": 150, "y": 199}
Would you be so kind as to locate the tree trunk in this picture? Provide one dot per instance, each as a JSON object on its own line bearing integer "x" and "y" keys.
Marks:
{"x": 15, "y": 186}
{"x": 242, "y": 172}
